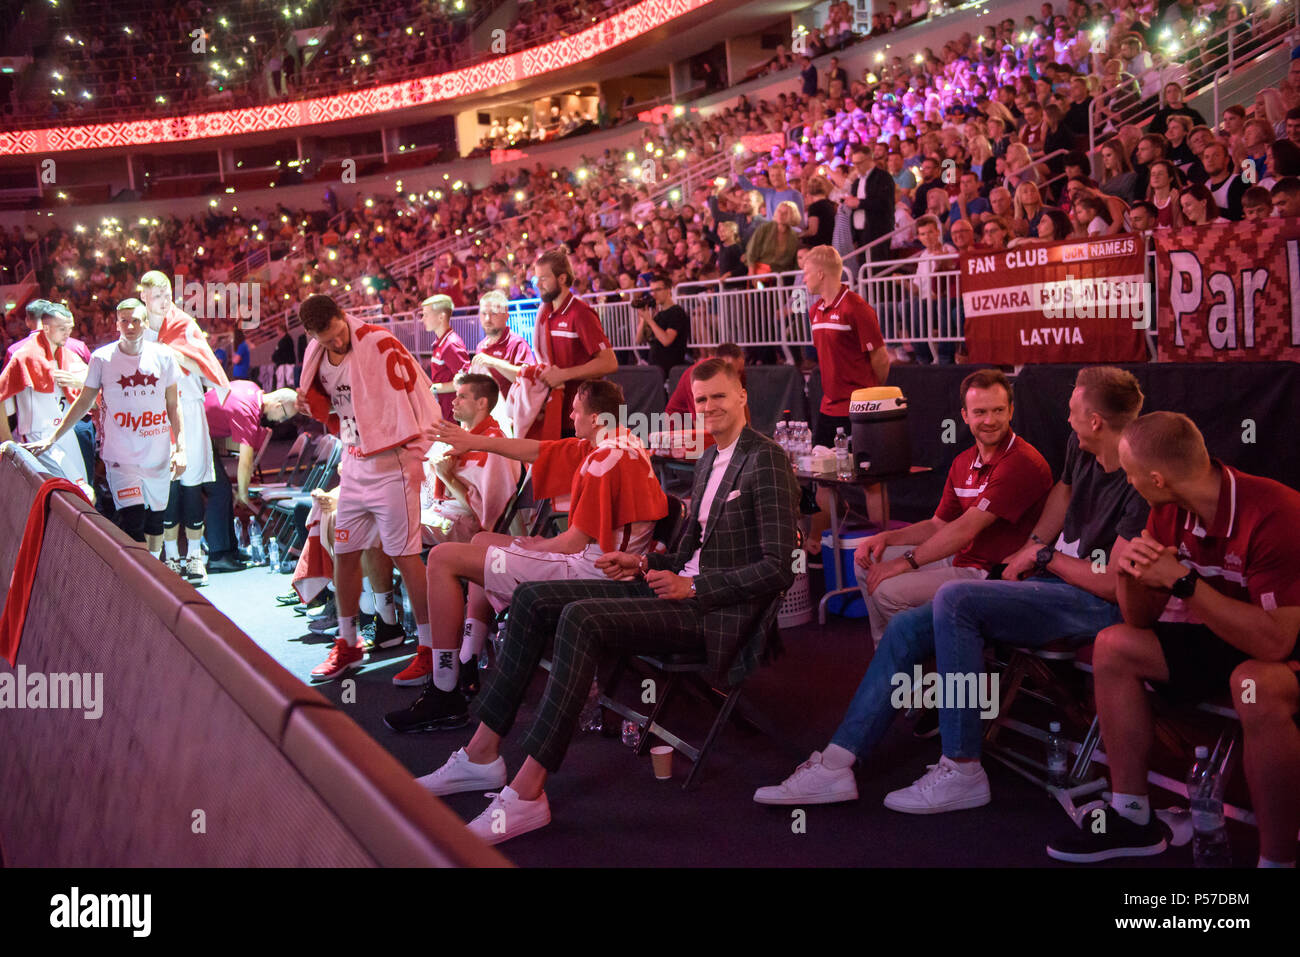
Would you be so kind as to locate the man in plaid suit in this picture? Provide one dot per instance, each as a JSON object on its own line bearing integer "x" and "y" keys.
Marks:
{"x": 714, "y": 594}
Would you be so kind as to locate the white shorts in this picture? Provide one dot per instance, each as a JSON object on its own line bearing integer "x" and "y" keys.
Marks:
{"x": 447, "y": 524}
{"x": 506, "y": 567}
{"x": 132, "y": 485}
{"x": 379, "y": 503}
{"x": 199, "y": 467}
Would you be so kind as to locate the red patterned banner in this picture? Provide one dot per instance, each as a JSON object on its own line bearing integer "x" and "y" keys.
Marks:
{"x": 1083, "y": 300}
{"x": 758, "y": 143}
{"x": 1232, "y": 292}
{"x": 530, "y": 63}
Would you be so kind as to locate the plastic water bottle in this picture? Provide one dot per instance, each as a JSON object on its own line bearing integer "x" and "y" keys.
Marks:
{"x": 255, "y": 542}
{"x": 1205, "y": 796}
{"x": 1058, "y": 757}
{"x": 805, "y": 439}
{"x": 782, "y": 436}
{"x": 273, "y": 555}
{"x": 631, "y": 733}
{"x": 843, "y": 456}
{"x": 591, "y": 718}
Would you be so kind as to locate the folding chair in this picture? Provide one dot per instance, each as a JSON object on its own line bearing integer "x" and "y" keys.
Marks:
{"x": 508, "y": 515}
{"x": 288, "y": 468}
{"x": 287, "y": 511}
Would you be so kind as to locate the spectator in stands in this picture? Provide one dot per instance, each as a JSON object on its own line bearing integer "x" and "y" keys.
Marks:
{"x": 567, "y": 336}
{"x": 1174, "y": 106}
{"x": 241, "y": 361}
{"x": 1256, "y": 136}
{"x": 666, "y": 327}
{"x": 450, "y": 357}
{"x": 930, "y": 180}
{"x": 1092, "y": 216}
{"x": 731, "y": 255}
{"x": 1210, "y": 594}
{"x": 1222, "y": 180}
{"x": 284, "y": 359}
{"x": 969, "y": 204}
{"x": 995, "y": 234}
{"x": 1029, "y": 209}
{"x": 870, "y": 197}
{"x": 777, "y": 191}
{"x": 1198, "y": 206}
{"x": 819, "y": 229}
{"x": 1054, "y": 226}
{"x": 934, "y": 307}
{"x": 1162, "y": 193}
{"x": 807, "y": 76}
{"x": 1293, "y": 125}
{"x": 774, "y": 246}
{"x": 1144, "y": 217}
{"x": 992, "y": 501}
{"x": 1286, "y": 198}
{"x": 1050, "y": 587}
{"x": 1256, "y": 204}
{"x": 962, "y": 234}
{"x": 712, "y": 598}
{"x": 1283, "y": 159}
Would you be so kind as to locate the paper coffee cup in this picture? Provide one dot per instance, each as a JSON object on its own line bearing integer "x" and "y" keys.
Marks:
{"x": 662, "y": 758}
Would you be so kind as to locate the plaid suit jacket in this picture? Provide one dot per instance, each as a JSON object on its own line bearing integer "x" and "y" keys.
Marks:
{"x": 747, "y": 551}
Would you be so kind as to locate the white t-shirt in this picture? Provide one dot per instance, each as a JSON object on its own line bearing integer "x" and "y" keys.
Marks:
{"x": 706, "y": 501}
{"x": 39, "y": 413}
{"x": 134, "y": 389}
{"x": 336, "y": 380}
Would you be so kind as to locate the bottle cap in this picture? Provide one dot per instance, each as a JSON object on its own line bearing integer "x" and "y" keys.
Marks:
{"x": 1055, "y": 727}
{"x": 1202, "y": 752}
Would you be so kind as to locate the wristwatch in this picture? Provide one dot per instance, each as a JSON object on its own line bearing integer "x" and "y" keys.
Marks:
{"x": 910, "y": 557}
{"x": 643, "y": 565}
{"x": 692, "y": 587}
{"x": 1184, "y": 587}
{"x": 1043, "y": 558}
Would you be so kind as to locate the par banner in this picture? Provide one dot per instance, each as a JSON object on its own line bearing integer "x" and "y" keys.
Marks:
{"x": 1233, "y": 292}
{"x": 1083, "y": 300}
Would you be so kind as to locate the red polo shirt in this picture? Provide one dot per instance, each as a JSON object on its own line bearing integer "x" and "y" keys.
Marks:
{"x": 512, "y": 348}
{"x": 845, "y": 331}
{"x": 1250, "y": 552}
{"x": 567, "y": 338}
{"x": 1012, "y": 485}
{"x": 450, "y": 357}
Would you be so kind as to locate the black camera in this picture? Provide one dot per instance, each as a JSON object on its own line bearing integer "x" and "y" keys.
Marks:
{"x": 645, "y": 300}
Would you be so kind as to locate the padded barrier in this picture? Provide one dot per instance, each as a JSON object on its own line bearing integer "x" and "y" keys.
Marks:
{"x": 207, "y": 753}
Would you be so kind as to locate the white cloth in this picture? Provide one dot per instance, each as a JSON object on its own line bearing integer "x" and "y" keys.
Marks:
{"x": 336, "y": 380}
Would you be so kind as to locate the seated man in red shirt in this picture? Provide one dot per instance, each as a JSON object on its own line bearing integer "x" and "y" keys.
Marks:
{"x": 994, "y": 495}
{"x": 602, "y": 477}
{"x": 1210, "y": 595}
{"x": 852, "y": 355}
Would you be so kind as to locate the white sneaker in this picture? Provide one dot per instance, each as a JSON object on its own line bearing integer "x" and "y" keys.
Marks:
{"x": 942, "y": 788}
{"x": 461, "y": 774}
{"x": 175, "y": 565}
{"x": 811, "y": 783}
{"x": 509, "y": 816}
{"x": 196, "y": 570}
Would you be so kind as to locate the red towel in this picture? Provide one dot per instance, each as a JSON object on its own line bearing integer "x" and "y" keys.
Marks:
{"x": 31, "y": 368}
{"x": 181, "y": 332}
{"x": 29, "y": 555}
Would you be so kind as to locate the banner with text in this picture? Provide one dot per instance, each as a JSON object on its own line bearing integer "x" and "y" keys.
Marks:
{"x": 1233, "y": 292}
{"x": 1074, "y": 301}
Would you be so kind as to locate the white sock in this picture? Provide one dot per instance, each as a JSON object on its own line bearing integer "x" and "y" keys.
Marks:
{"x": 425, "y": 634}
{"x": 835, "y": 758}
{"x": 446, "y": 669}
{"x": 474, "y": 636}
{"x": 172, "y": 549}
{"x": 330, "y": 586}
{"x": 1135, "y": 807}
{"x": 385, "y": 608}
{"x": 348, "y": 629}
{"x": 1265, "y": 862}
{"x": 367, "y": 606}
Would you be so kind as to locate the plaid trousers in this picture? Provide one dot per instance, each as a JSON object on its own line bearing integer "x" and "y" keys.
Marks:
{"x": 587, "y": 618}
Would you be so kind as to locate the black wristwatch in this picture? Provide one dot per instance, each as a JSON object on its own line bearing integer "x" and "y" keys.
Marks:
{"x": 909, "y": 556}
{"x": 1043, "y": 558}
{"x": 1184, "y": 587}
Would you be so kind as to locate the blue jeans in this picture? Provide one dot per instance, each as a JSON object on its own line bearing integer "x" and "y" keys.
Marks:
{"x": 908, "y": 641}
{"x": 1027, "y": 613}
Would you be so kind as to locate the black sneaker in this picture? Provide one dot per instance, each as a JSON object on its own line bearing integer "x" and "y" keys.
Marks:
{"x": 469, "y": 681}
{"x": 1105, "y": 834}
{"x": 322, "y": 597}
{"x": 927, "y": 725}
{"x": 367, "y": 635}
{"x": 326, "y": 609}
{"x": 386, "y": 635}
{"x": 434, "y": 710}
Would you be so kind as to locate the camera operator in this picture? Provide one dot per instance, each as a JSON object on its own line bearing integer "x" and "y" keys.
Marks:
{"x": 663, "y": 324}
